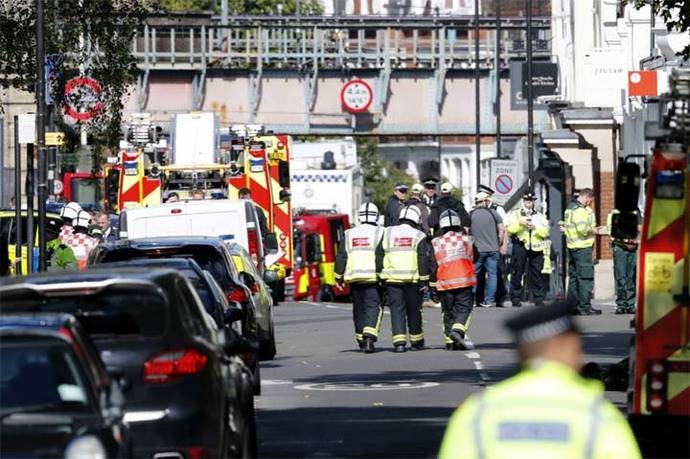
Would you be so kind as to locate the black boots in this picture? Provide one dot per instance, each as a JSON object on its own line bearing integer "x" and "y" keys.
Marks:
{"x": 400, "y": 348}
{"x": 368, "y": 346}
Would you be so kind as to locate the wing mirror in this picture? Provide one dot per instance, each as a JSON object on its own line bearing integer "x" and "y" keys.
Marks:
{"x": 271, "y": 242}
{"x": 233, "y": 313}
{"x": 270, "y": 276}
{"x": 234, "y": 343}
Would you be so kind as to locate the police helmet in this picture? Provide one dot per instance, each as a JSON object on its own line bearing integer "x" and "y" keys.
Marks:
{"x": 70, "y": 211}
{"x": 449, "y": 219}
{"x": 83, "y": 220}
{"x": 411, "y": 214}
{"x": 368, "y": 213}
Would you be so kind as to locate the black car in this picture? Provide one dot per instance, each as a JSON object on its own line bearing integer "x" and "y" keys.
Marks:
{"x": 212, "y": 255}
{"x": 187, "y": 393}
{"x": 56, "y": 399}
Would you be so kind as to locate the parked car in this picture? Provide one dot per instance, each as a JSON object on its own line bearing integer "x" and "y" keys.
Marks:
{"x": 8, "y": 227}
{"x": 212, "y": 255}
{"x": 56, "y": 399}
{"x": 188, "y": 394}
{"x": 261, "y": 295}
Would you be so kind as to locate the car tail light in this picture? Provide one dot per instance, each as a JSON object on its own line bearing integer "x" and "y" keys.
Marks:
{"x": 175, "y": 211}
{"x": 237, "y": 294}
{"x": 253, "y": 237}
{"x": 657, "y": 382}
{"x": 195, "y": 452}
{"x": 170, "y": 365}
{"x": 254, "y": 287}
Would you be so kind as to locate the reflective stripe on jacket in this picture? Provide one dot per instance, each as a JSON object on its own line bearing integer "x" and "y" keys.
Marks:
{"x": 360, "y": 244}
{"x": 579, "y": 221}
{"x": 516, "y": 225}
{"x": 400, "y": 263}
{"x": 453, "y": 252}
{"x": 546, "y": 411}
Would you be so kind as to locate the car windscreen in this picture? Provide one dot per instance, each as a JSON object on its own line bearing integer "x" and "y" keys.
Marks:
{"x": 40, "y": 375}
{"x": 202, "y": 289}
{"x": 108, "y": 313}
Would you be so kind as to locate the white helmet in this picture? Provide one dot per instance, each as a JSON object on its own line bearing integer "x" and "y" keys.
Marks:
{"x": 83, "y": 220}
{"x": 368, "y": 213}
{"x": 449, "y": 219}
{"x": 411, "y": 213}
{"x": 70, "y": 211}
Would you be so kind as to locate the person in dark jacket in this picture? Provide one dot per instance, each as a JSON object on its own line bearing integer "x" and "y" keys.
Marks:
{"x": 448, "y": 202}
{"x": 417, "y": 200}
{"x": 395, "y": 205}
{"x": 430, "y": 194}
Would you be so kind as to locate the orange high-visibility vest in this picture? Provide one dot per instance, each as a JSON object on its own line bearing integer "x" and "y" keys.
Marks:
{"x": 453, "y": 253}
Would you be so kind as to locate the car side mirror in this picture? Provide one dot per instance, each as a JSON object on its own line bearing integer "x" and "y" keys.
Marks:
{"x": 248, "y": 280}
{"x": 234, "y": 343}
{"x": 233, "y": 313}
{"x": 271, "y": 242}
{"x": 270, "y": 277}
{"x": 284, "y": 196}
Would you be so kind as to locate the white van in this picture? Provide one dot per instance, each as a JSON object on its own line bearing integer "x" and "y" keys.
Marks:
{"x": 230, "y": 220}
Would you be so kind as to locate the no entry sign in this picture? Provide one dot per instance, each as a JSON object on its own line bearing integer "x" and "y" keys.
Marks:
{"x": 504, "y": 179}
{"x": 356, "y": 96}
{"x": 82, "y": 98}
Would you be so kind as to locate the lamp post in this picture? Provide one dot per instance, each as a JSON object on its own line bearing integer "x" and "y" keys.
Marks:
{"x": 40, "y": 135}
{"x": 477, "y": 119}
{"x": 530, "y": 103}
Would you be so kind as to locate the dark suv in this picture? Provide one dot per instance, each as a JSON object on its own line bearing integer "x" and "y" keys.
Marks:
{"x": 187, "y": 393}
{"x": 56, "y": 399}
{"x": 211, "y": 254}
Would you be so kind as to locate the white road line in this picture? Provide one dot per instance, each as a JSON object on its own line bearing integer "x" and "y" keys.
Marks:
{"x": 472, "y": 355}
{"x": 478, "y": 365}
{"x": 276, "y": 382}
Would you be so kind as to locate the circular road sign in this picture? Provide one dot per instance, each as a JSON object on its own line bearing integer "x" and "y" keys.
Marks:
{"x": 356, "y": 96}
{"x": 82, "y": 98}
{"x": 504, "y": 184}
{"x": 57, "y": 186}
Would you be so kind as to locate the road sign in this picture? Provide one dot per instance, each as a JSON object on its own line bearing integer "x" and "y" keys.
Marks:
{"x": 356, "y": 96}
{"x": 57, "y": 186}
{"x": 642, "y": 83}
{"x": 504, "y": 179}
{"x": 55, "y": 139}
{"x": 26, "y": 126}
{"x": 82, "y": 98}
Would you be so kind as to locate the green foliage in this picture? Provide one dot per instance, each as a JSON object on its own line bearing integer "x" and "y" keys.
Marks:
{"x": 380, "y": 176}
{"x": 675, "y": 13}
{"x": 257, "y": 7}
{"x": 94, "y": 39}
{"x": 186, "y": 5}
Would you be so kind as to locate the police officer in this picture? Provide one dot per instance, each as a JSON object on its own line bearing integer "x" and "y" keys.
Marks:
{"x": 395, "y": 204}
{"x": 60, "y": 256}
{"x": 579, "y": 227}
{"x": 528, "y": 229}
{"x": 402, "y": 262}
{"x": 548, "y": 409}
{"x": 356, "y": 265}
{"x": 430, "y": 195}
{"x": 68, "y": 213}
{"x": 453, "y": 276}
{"x": 80, "y": 241}
{"x": 624, "y": 266}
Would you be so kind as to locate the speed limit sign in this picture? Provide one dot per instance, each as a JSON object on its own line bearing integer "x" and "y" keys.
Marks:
{"x": 356, "y": 96}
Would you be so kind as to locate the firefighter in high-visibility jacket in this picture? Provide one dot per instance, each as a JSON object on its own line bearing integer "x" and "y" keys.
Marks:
{"x": 547, "y": 410}
{"x": 80, "y": 241}
{"x": 529, "y": 230}
{"x": 68, "y": 213}
{"x": 579, "y": 227}
{"x": 355, "y": 264}
{"x": 453, "y": 276}
{"x": 402, "y": 262}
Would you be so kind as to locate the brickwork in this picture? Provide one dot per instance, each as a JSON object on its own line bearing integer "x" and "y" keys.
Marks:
{"x": 604, "y": 187}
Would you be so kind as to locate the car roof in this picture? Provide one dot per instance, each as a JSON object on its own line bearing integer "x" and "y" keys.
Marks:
{"x": 41, "y": 321}
{"x": 144, "y": 277}
{"x": 164, "y": 242}
{"x": 173, "y": 263}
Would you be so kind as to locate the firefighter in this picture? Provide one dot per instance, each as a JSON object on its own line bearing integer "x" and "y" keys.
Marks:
{"x": 80, "y": 241}
{"x": 579, "y": 228}
{"x": 356, "y": 265}
{"x": 546, "y": 410}
{"x": 417, "y": 199}
{"x": 402, "y": 262}
{"x": 529, "y": 230}
{"x": 452, "y": 275}
{"x": 624, "y": 266}
{"x": 59, "y": 256}
{"x": 68, "y": 213}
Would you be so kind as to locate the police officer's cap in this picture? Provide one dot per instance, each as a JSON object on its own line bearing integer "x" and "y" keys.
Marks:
{"x": 529, "y": 196}
{"x": 485, "y": 189}
{"x": 430, "y": 181}
{"x": 542, "y": 323}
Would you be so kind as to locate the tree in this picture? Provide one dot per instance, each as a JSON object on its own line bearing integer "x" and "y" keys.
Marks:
{"x": 675, "y": 13}
{"x": 380, "y": 176}
{"x": 93, "y": 38}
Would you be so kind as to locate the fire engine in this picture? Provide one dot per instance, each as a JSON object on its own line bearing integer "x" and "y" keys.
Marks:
{"x": 659, "y": 386}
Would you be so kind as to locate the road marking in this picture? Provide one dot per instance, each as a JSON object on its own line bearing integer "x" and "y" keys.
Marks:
{"x": 478, "y": 365}
{"x": 276, "y": 382}
{"x": 472, "y": 355}
{"x": 359, "y": 386}
{"x": 336, "y": 306}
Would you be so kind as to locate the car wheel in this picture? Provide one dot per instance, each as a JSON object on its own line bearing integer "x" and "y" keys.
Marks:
{"x": 268, "y": 347}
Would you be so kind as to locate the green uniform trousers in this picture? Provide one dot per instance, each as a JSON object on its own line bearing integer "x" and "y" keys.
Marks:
{"x": 624, "y": 270}
{"x": 580, "y": 278}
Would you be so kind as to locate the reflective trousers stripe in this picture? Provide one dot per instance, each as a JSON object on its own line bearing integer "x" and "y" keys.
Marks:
{"x": 415, "y": 338}
{"x": 370, "y": 331}
{"x": 399, "y": 339}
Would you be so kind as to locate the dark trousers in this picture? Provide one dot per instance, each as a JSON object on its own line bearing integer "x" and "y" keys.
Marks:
{"x": 405, "y": 303}
{"x": 523, "y": 261}
{"x": 456, "y": 308}
{"x": 624, "y": 271}
{"x": 366, "y": 310}
{"x": 580, "y": 278}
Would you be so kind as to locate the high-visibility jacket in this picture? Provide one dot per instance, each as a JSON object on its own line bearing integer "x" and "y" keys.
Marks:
{"x": 533, "y": 239}
{"x": 61, "y": 257}
{"x": 404, "y": 255}
{"x": 81, "y": 244}
{"x": 579, "y": 222}
{"x": 360, "y": 252}
{"x": 545, "y": 411}
{"x": 455, "y": 268}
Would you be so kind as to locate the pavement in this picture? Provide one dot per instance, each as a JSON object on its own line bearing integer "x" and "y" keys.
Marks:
{"x": 322, "y": 397}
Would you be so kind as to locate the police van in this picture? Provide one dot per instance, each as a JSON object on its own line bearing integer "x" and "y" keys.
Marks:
{"x": 231, "y": 220}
